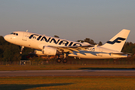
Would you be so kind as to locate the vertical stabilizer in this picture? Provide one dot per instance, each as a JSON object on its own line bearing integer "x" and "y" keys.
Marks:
{"x": 117, "y": 42}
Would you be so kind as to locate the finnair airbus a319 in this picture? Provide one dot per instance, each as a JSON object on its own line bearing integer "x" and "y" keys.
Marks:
{"x": 46, "y": 45}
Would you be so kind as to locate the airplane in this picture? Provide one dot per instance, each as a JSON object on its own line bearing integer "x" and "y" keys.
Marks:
{"x": 50, "y": 46}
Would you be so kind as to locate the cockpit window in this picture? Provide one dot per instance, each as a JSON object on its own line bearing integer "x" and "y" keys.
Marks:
{"x": 15, "y": 34}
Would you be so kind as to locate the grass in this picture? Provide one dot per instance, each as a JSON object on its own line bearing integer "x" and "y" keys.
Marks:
{"x": 67, "y": 83}
{"x": 63, "y": 67}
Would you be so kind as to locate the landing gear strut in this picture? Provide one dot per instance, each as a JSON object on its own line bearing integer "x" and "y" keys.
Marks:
{"x": 22, "y": 47}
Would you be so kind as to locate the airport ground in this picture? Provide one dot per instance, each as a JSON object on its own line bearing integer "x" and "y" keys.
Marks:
{"x": 65, "y": 67}
{"x": 67, "y": 82}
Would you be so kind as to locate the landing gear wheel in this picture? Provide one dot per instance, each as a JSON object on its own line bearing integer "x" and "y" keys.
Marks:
{"x": 58, "y": 60}
{"x": 64, "y": 60}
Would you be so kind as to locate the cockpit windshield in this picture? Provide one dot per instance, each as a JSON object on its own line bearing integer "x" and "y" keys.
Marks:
{"x": 15, "y": 34}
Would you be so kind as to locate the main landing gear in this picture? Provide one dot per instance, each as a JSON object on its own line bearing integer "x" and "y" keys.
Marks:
{"x": 64, "y": 59}
{"x": 59, "y": 60}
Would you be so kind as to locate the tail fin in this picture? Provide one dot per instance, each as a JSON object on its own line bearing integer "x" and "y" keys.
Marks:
{"x": 117, "y": 42}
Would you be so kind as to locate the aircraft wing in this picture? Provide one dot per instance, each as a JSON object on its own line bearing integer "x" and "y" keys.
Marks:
{"x": 71, "y": 49}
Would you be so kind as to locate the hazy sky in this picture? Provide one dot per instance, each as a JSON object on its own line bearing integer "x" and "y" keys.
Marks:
{"x": 99, "y": 20}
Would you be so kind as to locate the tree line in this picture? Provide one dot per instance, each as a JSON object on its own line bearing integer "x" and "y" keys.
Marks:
{"x": 11, "y": 52}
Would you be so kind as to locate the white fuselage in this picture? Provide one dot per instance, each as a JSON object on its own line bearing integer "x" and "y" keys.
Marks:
{"x": 37, "y": 41}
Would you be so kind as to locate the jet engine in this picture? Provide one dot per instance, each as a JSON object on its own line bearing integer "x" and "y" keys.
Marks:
{"x": 46, "y": 51}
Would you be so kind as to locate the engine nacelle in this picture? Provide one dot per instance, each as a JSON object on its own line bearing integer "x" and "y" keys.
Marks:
{"x": 46, "y": 51}
{"x": 38, "y": 52}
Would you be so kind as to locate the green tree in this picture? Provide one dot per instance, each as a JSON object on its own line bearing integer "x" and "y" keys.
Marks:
{"x": 26, "y": 50}
{"x": 89, "y": 41}
{"x": 100, "y": 43}
{"x": 2, "y": 40}
{"x": 2, "y": 45}
{"x": 1, "y": 54}
{"x": 11, "y": 53}
{"x": 128, "y": 47}
{"x": 80, "y": 41}
{"x": 133, "y": 51}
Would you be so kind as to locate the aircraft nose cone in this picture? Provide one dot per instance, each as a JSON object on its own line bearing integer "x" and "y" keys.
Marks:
{"x": 6, "y": 37}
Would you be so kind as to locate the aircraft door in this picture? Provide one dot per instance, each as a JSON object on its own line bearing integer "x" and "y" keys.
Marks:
{"x": 25, "y": 36}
